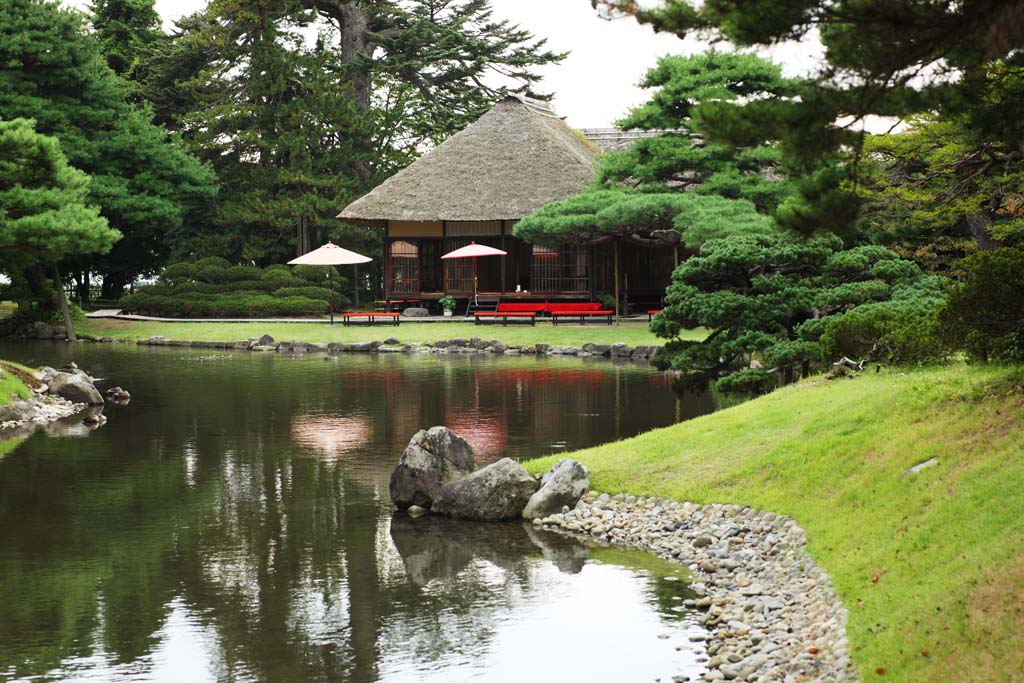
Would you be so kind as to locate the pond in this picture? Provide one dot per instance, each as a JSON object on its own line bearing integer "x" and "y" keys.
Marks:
{"x": 232, "y": 523}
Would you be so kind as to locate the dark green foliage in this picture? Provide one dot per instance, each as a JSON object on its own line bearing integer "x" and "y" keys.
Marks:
{"x": 985, "y": 314}
{"x": 677, "y": 216}
{"x": 640, "y": 191}
{"x": 682, "y": 87}
{"x": 125, "y": 29}
{"x": 212, "y": 287}
{"x": 769, "y": 300}
{"x": 883, "y": 57}
{"x": 904, "y": 329}
{"x": 45, "y": 213}
{"x": 234, "y": 305}
{"x": 143, "y": 181}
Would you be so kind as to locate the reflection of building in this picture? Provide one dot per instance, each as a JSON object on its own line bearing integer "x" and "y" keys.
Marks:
{"x": 331, "y": 436}
{"x": 474, "y": 187}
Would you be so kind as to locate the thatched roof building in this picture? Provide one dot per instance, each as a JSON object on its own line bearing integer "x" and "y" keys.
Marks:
{"x": 509, "y": 163}
{"x": 476, "y": 186}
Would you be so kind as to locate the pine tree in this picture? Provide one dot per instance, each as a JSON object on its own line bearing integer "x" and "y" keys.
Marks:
{"x": 143, "y": 180}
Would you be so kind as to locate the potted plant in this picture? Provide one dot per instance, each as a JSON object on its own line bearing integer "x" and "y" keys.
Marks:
{"x": 448, "y": 304}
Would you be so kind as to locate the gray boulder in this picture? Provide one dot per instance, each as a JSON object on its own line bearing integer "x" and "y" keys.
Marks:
{"x": 494, "y": 493}
{"x": 415, "y": 312}
{"x": 597, "y": 349}
{"x": 621, "y": 350}
{"x": 433, "y": 458}
{"x": 564, "y": 484}
{"x": 76, "y": 387}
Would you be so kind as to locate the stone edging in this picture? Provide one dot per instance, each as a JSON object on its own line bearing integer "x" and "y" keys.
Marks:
{"x": 448, "y": 346}
{"x": 771, "y": 612}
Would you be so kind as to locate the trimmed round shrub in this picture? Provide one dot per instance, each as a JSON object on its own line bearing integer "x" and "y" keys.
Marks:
{"x": 236, "y": 273}
{"x": 212, "y": 261}
{"x": 311, "y": 292}
{"x": 178, "y": 271}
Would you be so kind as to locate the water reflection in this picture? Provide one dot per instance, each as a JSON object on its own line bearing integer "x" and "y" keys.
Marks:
{"x": 232, "y": 524}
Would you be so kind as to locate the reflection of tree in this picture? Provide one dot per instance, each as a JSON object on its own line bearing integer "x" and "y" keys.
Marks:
{"x": 199, "y": 494}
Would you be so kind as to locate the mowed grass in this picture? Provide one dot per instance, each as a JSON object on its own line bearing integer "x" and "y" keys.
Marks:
{"x": 931, "y": 565}
{"x": 563, "y": 335}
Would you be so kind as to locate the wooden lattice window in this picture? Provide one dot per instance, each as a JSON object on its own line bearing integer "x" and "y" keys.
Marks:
{"x": 560, "y": 269}
{"x": 405, "y": 268}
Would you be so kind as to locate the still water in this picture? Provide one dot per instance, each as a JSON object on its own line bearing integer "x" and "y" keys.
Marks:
{"x": 232, "y": 523}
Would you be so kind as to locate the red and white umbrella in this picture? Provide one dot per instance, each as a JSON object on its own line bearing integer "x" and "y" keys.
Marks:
{"x": 474, "y": 250}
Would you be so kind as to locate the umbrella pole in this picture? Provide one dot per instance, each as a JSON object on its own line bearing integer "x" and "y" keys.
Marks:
{"x": 356, "y": 266}
{"x": 330, "y": 294}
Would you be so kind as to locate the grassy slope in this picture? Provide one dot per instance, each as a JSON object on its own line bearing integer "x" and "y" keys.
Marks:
{"x": 947, "y": 544}
{"x": 13, "y": 387}
{"x": 563, "y": 335}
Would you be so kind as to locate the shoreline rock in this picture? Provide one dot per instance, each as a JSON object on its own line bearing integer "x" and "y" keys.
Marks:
{"x": 455, "y": 346}
{"x": 771, "y": 612}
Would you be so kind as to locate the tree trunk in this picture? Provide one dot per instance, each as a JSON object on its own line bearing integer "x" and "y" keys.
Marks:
{"x": 40, "y": 288}
{"x": 356, "y": 46}
{"x": 979, "y": 224}
{"x": 113, "y": 286}
{"x": 62, "y": 300}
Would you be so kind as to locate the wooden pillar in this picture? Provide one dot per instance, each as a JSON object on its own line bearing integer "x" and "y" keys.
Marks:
{"x": 503, "y": 258}
{"x": 616, "y": 280}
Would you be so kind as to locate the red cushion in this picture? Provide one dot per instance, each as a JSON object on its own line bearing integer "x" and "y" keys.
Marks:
{"x": 521, "y": 307}
{"x": 582, "y": 312}
{"x": 574, "y": 306}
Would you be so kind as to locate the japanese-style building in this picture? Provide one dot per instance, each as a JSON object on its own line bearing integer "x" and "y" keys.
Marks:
{"x": 475, "y": 186}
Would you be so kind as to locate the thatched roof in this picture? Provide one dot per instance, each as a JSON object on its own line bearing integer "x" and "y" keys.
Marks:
{"x": 509, "y": 163}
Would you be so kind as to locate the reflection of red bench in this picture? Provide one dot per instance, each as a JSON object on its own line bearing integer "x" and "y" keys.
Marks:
{"x": 581, "y": 314}
{"x": 505, "y": 316}
{"x": 651, "y": 314}
{"x": 351, "y": 318}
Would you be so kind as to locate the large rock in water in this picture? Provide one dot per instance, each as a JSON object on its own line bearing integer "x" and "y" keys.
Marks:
{"x": 491, "y": 494}
{"x": 433, "y": 458}
{"x": 564, "y": 484}
{"x": 76, "y": 387}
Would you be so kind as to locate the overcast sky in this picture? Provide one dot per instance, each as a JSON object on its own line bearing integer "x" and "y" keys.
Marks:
{"x": 595, "y": 84}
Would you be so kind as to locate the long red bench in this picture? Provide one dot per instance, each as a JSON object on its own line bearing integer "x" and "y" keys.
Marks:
{"x": 651, "y": 314}
{"x": 371, "y": 317}
{"x": 582, "y": 315}
{"x": 547, "y": 307}
{"x": 505, "y": 316}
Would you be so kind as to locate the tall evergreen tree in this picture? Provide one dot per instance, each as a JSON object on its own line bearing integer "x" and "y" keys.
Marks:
{"x": 144, "y": 181}
{"x": 45, "y": 215}
{"x": 126, "y": 29}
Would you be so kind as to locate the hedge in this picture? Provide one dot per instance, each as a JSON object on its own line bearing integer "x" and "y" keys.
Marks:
{"x": 212, "y": 287}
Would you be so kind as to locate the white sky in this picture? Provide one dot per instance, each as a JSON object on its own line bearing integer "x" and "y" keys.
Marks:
{"x": 595, "y": 84}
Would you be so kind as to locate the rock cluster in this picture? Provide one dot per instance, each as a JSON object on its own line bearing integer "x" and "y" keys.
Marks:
{"x": 771, "y": 612}
{"x": 474, "y": 345}
{"x": 437, "y": 473}
{"x": 60, "y": 394}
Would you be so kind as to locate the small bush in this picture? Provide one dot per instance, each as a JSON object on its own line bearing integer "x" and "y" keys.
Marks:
{"x": 243, "y": 273}
{"x": 985, "y": 314}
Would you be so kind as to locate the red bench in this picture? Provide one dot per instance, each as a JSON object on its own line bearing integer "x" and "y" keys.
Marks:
{"x": 371, "y": 317}
{"x": 505, "y": 316}
{"x": 651, "y": 314}
{"x": 582, "y": 314}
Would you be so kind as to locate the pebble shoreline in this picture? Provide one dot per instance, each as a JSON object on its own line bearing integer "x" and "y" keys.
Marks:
{"x": 770, "y": 612}
{"x": 45, "y": 409}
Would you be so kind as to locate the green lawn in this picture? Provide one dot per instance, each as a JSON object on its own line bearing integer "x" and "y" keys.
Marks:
{"x": 931, "y": 566}
{"x": 562, "y": 335}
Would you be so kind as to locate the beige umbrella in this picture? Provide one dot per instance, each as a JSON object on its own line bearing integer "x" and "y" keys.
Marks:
{"x": 332, "y": 255}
